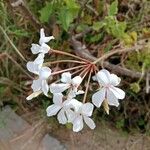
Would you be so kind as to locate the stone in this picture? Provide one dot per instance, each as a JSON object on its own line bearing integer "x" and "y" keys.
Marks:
{"x": 17, "y": 134}
{"x": 51, "y": 143}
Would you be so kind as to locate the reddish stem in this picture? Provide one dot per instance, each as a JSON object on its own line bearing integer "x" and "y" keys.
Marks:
{"x": 68, "y": 54}
{"x": 69, "y": 69}
{"x": 87, "y": 86}
{"x": 62, "y": 61}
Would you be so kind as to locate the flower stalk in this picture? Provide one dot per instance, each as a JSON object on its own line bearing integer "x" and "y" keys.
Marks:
{"x": 63, "y": 61}
{"x": 69, "y": 69}
{"x": 68, "y": 54}
{"x": 87, "y": 86}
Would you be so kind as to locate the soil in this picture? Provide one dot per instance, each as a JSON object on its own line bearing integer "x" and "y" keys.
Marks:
{"x": 102, "y": 138}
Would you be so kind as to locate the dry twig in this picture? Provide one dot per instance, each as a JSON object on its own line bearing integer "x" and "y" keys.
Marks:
{"x": 83, "y": 52}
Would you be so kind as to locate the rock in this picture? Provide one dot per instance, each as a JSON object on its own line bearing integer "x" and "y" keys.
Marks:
{"x": 51, "y": 143}
{"x": 17, "y": 134}
{"x": 11, "y": 124}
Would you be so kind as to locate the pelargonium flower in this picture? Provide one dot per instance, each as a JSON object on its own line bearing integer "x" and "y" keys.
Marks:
{"x": 36, "y": 48}
{"x": 42, "y": 72}
{"x": 108, "y": 91}
{"x": 35, "y": 66}
{"x": 42, "y": 47}
{"x": 41, "y": 83}
{"x": 43, "y": 38}
{"x": 82, "y": 113}
{"x": 33, "y": 95}
{"x": 68, "y": 83}
{"x": 62, "y": 108}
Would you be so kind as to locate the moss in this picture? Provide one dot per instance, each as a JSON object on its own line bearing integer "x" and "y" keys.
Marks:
{"x": 138, "y": 59}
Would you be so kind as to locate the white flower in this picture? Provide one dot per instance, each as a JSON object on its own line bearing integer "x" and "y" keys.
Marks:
{"x": 33, "y": 95}
{"x": 43, "y": 47}
{"x": 62, "y": 108}
{"x": 43, "y": 38}
{"x": 68, "y": 83}
{"x": 82, "y": 113}
{"x": 108, "y": 90}
{"x": 41, "y": 83}
{"x": 35, "y": 66}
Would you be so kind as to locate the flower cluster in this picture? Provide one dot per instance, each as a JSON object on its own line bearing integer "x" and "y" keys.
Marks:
{"x": 36, "y": 66}
{"x": 65, "y": 104}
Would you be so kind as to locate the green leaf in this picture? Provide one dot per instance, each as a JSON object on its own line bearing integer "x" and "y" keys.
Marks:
{"x": 81, "y": 27}
{"x": 45, "y": 12}
{"x": 135, "y": 87}
{"x": 114, "y": 27}
{"x": 71, "y": 4}
{"x": 87, "y": 19}
{"x": 18, "y": 32}
{"x": 96, "y": 38}
{"x": 68, "y": 13}
{"x": 65, "y": 17}
{"x": 98, "y": 25}
{"x": 119, "y": 29}
{"x": 113, "y": 9}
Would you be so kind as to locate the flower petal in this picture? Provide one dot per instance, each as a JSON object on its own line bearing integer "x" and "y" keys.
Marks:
{"x": 40, "y": 59}
{"x": 94, "y": 78}
{"x": 42, "y": 34}
{"x": 52, "y": 110}
{"x": 75, "y": 104}
{"x": 33, "y": 95}
{"x": 78, "y": 124}
{"x": 62, "y": 117}
{"x": 70, "y": 115}
{"x": 45, "y": 87}
{"x": 44, "y": 48}
{"x": 58, "y": 98}
{"x": 36, "y": 85}
{"x": 87, "y": 109}
{"x": 35, "y": 48}
{"x": 114, "y": 79}
{"x": 98, "y": 97}
{"x": 66, "y": 77}
{"x": 58, "y": 88}
{"x": 43, "y": 38}
{"x": 79, "y": 92}
{"x": 76, "y": 81}
{"x": 32, "y": 67}
{"x": 89, "y": 122}
{"x": 44, "y": 73}
{"x": 71, "y": 94}
{"x": 103, "y": 77}
{"x": 112, "y": 99}
{"x": 120, "y": 94}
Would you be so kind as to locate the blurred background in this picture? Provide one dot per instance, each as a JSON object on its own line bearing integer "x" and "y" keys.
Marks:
{"x": 99, "y": 25}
